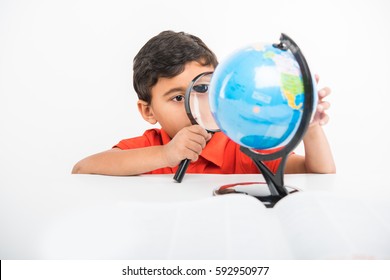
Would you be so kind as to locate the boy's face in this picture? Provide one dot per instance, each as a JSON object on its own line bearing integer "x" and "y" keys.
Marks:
{"x": 167, "y": 106}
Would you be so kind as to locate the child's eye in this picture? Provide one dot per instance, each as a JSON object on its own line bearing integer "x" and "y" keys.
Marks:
{"x": 201, "y": 88}
{"x": 178, "y": 98}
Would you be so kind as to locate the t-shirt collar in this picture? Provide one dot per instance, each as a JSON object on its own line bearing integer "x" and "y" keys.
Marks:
{"x": 215, "y": 149}
{"x": 165, "y": 137}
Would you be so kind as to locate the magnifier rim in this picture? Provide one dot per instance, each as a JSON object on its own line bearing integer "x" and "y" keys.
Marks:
{"x": 187, "y": 100}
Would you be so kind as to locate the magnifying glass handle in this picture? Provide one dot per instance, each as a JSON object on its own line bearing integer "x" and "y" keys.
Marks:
{"x": 181, "y": 171}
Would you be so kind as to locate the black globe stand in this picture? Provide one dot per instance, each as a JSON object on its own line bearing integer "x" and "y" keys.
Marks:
{"x": 275, "y": 182}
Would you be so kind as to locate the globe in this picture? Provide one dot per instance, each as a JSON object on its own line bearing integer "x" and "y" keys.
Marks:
{"x": 257, "y": 96}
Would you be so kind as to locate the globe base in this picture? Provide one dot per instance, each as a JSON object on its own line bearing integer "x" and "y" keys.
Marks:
{"x": 259, "y": 190}
{"x": 275, "y": 181}
{"x": 270, "y": 200}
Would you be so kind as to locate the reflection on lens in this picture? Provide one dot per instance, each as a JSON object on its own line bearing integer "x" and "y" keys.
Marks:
{"x": 201, "y": 88}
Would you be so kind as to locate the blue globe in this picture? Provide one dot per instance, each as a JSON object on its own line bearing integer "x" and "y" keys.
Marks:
{"x": 257, "y": 96}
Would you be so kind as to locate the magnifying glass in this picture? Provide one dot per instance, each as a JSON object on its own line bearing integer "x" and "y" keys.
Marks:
{"x": 196, "y": 101}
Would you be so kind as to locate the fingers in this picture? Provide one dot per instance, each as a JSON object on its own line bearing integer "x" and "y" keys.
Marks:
{"x": 324, "y": 92}
{"x": 320, "y": 115}
{"x": 322, "y": 106}
{"x": 317, "y": 77}
{"x": 196, "y": 142}
{"x": 188, "y": 143}
{"x": 198, "y": 130}
{"x": 324, "y": 119}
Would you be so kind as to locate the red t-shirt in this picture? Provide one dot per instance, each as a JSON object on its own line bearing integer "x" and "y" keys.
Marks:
{"x": 220, "y": 156}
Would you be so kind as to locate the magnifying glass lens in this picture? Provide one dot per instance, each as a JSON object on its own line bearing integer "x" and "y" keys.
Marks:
{"x": 199, "y": 103}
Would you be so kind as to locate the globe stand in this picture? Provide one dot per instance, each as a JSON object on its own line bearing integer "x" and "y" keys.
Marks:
{"x": 275, "y": 182}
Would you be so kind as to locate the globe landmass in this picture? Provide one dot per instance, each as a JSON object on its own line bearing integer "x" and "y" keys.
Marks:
{"x": 257, "y": 96}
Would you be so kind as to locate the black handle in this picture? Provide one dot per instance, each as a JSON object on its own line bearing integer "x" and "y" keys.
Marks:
{"x": 181, "y": 171}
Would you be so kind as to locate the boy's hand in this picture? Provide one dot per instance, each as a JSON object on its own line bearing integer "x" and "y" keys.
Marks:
{"x": 188, "y": 143}
{"x": 320, "y": 116}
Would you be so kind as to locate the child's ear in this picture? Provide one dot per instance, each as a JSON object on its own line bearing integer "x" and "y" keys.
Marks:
{"x": 146, "y": 111}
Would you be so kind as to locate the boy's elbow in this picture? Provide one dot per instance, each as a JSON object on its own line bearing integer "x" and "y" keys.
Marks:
{"x": 77, "y": 169}
{"x": 326, "y": 170}
{"x": 332, "y": 170}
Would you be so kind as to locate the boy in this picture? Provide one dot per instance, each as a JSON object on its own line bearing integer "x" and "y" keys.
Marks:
{"x": 163, "y": 69}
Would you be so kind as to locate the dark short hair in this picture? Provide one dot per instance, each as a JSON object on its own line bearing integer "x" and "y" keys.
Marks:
{"x": 165, "y": 55}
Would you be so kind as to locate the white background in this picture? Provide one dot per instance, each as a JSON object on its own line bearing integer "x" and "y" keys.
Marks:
{"x": 66, "y": 66}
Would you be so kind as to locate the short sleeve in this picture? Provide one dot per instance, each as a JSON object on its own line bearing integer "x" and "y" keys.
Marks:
{"x": 151, "y": 137}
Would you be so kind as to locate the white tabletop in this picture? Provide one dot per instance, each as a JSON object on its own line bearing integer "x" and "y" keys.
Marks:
{"x": 153, "y": 217}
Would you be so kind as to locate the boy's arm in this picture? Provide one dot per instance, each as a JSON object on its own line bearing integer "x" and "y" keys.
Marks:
{"x": 121, "y": 162}
{"x": 318, "y": 155}
{"x": 188, "y": 143}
